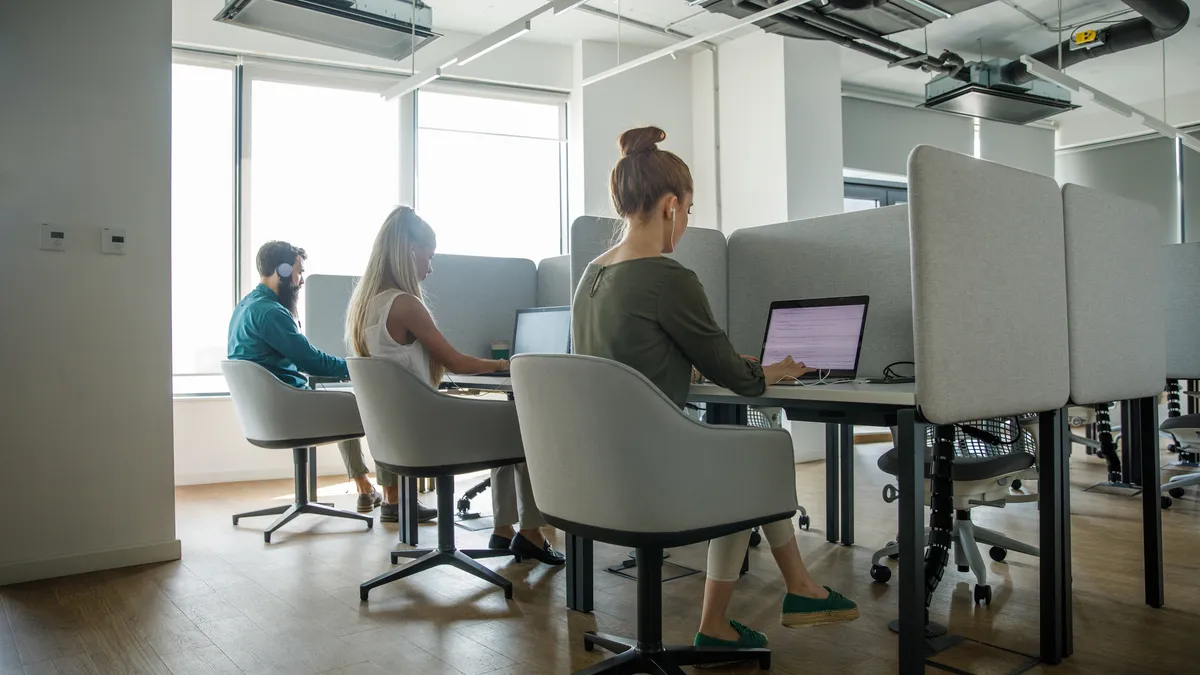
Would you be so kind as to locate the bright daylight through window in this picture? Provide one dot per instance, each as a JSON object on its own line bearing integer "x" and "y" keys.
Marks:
{"x": 489, "y": 175}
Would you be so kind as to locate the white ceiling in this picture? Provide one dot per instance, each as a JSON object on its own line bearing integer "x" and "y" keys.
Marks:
{"x": 1134, "y": 76}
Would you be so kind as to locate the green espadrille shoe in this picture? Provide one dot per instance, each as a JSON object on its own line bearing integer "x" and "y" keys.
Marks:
{"x": 748, "y": 638}
{"x": 800, "y": 612}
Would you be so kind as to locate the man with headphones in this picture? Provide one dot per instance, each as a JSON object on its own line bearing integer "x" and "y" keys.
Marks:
{"x": 264, "y": 329}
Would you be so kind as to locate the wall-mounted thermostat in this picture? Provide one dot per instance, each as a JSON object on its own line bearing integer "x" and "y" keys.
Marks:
{"x": 112, "y": 241}
{"x": 54, "y": 238}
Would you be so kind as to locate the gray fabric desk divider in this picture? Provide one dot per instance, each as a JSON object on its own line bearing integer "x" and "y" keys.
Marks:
{"x": 1181, "y": 267}
{"x": 701, "y": 250}
{"x": 1115, "y": 311}
{"x": 859, "y": 253}
{"x": 554, "y": 282}
{"x": 473, "y": 299}
{"x": 989, "y": 288}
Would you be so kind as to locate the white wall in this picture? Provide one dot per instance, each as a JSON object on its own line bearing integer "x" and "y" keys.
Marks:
{"x": 753, "y": 153}
{"x": 813, "y": 104}
{"x": 658, "y": 93}
{"x": 704, "y": 140}
{"x": 519, "y": 62}
{"x": 1023, "y": 147}
{"x": 878, "y": 136}
{"x": 210, "y": 448}
{"x": 85, "y": 478}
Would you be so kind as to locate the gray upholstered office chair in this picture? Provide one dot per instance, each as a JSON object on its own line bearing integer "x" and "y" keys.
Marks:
{"x": 612, "y": 459}
{"x": 277, "y": 416}
{"x": 414, "y": 430}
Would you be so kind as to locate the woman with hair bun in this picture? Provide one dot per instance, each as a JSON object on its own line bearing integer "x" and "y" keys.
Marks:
{"x": 649, "y": 312}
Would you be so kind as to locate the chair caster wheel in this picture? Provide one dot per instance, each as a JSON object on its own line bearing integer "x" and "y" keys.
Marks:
{"x": 998, "y": 554}
{"x": 235, "y": 520}
{"x": 1166, "y": 502}
{"x": 755, "y": 538}
{"x": 893, "y": 556}
{"x": 362, "y": 594}
{"x": 803, "y": 523}
{"x": 983, "y": 594}
{"x": 1016, "y": 484}
{"x": 395, "y": 558}
{"x": 1176, "y": 492}
{"x": 881, "y": 573}
{"x": 266, "y": 537}
{"x": 587, "y": 644}
{"x": 964, "y": 568}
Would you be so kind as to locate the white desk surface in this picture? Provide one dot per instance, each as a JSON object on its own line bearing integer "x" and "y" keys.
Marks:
{"x": 877, "y": 394}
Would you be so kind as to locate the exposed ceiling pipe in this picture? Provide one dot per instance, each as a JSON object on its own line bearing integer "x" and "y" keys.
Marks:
{"x": 1159, "y": 20}
{"x": 837, "y": 25}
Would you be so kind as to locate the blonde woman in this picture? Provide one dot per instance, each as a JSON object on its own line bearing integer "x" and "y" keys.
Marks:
{"x": 388, "y": 319}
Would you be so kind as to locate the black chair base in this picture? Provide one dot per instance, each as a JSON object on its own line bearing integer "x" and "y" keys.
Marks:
{"x": 444, "y": 554}
{"x": 630, "y": 659}
{"x": 647, "y": 654}
{"x": 301, "y": 505}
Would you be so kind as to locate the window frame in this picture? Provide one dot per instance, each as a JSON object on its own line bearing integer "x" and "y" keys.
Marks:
{"x": 884, "y": 193}
{"x": 247, "y": 69}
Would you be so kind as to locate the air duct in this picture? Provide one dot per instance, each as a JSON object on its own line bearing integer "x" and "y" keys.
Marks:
{"x": 1159, "y": 20}
{"x": 391, "y": 29}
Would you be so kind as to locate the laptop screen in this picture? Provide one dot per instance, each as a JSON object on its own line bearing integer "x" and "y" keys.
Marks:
{"x": 825, "y": 334}
{"x": 545, "y": 330}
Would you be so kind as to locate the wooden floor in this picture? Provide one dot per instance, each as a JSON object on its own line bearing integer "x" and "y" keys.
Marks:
{"x": 235, "y": 605}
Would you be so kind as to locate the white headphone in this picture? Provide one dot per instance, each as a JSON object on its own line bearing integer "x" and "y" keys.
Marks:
{"x": 284, "y": 270}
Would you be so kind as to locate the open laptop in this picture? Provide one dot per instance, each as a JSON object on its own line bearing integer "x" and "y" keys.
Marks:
{"x": 540, "y": 330}
{"x": 824, "y": 333}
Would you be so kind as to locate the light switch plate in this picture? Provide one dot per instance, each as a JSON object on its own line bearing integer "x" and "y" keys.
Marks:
{"x": 112, "y": 241}
{"x": 54, "y": 238}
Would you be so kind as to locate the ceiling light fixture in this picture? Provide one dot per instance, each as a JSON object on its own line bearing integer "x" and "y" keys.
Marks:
{"x": 482, "y": 46}
{"x": 693, "y": 41}
{"x": 1045, "y": 72}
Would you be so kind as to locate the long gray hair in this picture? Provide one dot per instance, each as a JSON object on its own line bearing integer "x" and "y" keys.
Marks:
{"x": 390, "y": 267}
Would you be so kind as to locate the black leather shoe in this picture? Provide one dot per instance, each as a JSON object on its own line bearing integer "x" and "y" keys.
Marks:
{"x": 425, "y": 514}
{"x": 523, "y": 548}
{"x": 390, "y": 513}
{"x": 499, "y": 543}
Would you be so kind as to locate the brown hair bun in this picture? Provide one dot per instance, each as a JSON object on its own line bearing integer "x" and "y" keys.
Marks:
{"x": 644, "y": 139}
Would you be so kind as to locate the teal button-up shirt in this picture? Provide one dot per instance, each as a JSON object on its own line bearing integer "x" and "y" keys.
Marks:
{"x": 262, "y": 330}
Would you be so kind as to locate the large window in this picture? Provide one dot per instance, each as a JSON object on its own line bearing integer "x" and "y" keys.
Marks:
{"x": 325, "y": 171}
{"x": 202, "y": 215}
{"x": 265, "y": 150}
{"x": 489, "y": 174}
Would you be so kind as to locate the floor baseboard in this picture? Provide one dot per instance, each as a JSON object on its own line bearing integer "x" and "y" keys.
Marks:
{"x": 31, "y": 570}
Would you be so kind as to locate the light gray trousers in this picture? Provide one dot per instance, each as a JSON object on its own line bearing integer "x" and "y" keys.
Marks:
{"x": 352, "y": 457}
{"x": 512, "y": 498}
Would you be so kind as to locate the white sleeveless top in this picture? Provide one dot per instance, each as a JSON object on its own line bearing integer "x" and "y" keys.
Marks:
{"x": 413, "y": 357}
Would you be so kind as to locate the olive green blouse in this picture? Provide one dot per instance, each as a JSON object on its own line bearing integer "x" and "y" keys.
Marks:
{"x": 651, "y": 314}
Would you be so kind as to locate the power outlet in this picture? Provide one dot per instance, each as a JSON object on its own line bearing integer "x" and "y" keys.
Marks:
{"x": 53, "y": 238}
{"x": 112, "y": 241}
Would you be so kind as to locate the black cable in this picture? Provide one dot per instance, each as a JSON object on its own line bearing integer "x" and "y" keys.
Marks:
{"x": 890, "y": 374}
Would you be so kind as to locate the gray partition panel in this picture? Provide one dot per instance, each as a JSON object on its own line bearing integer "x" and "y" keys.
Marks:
{"x": 989, "y": 288}
{"x": 1181, "y": 268}
{"x": 1115, "y": 314}
{"x": 554, "y": 282}
{"x": 326, "y": 297}
{"x": 701, "y": 250}
{"x": 474, "y": 301}
{"x": 860, "y": 253}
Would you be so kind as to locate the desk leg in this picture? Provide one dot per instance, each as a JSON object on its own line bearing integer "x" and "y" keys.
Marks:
{"x": 408, "y": 510}
{"x": 846, "y": 468}
{"x": 1143, "y": 436}
{"x": 831, "y": 483}
{"x": 1054, "y": 533}
{"x": 579, "y": 573}
{"x": 911, "y": 575}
